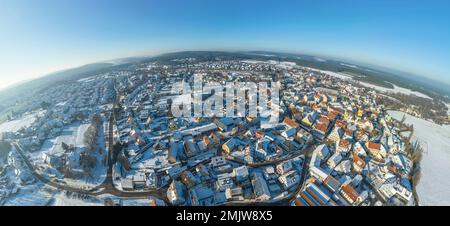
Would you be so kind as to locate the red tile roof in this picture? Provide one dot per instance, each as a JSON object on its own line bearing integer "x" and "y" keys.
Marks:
{"x": 359, "y": 161}
{"x": 321, "y": 127}
{"x": 350, "y": 192}
{"x": 344, "y": 143}
{"x": 290, "y": 122}
{"x": 372, "y": 145}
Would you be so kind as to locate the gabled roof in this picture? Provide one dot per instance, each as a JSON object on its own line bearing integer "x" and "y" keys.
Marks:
{"x": 321, "y": 127}
{"x": 358, "y": 161}
{"x": 350, "y": 192}
{"x": 289, "y": 122}
{"x": 344, "y": 143}
{"x": 372, "y": 145}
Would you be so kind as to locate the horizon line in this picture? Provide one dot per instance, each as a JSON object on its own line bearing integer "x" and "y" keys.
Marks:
{"x": 143, "y": 55}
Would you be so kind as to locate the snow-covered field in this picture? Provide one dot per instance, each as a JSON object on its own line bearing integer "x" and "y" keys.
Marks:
{"x": 64, "y": 199}
{"x": 434, "y": 185}
{"x": 349, "y": 65}
{"x": 396, "y": 89}
{"x": 73, "y": 135}
{"x": 342, "y": 76}
{"x": 23, "y": 122}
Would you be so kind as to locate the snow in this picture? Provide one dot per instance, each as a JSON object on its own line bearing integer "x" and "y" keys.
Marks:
{"x": 253, "y": 62}
{"x": 23, "y": 122}
{"x": 330, "y": 73}
{"x": 448, "y": 108}
{"x": 319, "y": 59}
{"x": 73, "y": 135}
{"x": 349, "y": 65}
{"x": 434, "y": 185}
{"x": 89, "y": 79}
{"x": 396, "y": 89}
{"x": 31, "y": 195}
{"x": 64, "y": 199}
{"x": 285, "y": 64}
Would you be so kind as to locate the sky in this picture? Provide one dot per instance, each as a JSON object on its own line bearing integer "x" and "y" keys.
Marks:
{"x": 41, "y": 36}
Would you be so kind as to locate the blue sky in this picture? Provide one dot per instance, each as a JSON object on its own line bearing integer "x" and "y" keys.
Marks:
{"x": 41, "y": 36}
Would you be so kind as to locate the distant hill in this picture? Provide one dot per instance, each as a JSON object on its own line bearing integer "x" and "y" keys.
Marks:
{"x": 361, "y": 72}
{"x": 372, "y": 74}
{"x": 53, "y": 78}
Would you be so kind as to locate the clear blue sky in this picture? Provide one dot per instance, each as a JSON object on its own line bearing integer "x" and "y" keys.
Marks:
{"x": 40, "y": 36}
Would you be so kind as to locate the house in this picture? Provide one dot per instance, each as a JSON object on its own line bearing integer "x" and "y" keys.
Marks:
{"x": 284, "y": 167}
{"x": 176, "y": 148}
{"x": 176, "y": 193}
{"x": 361, "y": 135}
{"x": 359, "y": 150}
{"x": 225, "y": 124}
{"x": 336, "y": 134}
{"x": 291, "y": 124}
{"x": 230, "y": 145}
{"x": 211, "y": 140}
{"x": 224, "y": 181}
{"x": 234, "y": 194}
{"x": 310, "y": 118}
{"x": 343, "y": 146}
{"x": 303, "y": 137}
{"x": 349, "y": 193}
{"x": 220, "y": 165}
{"x": 289, "y": 179}
{"x": 358, "y": 164}
{"x": 344, "y": 167}
{"x": 321, "y": 127}
{"x": 175, "y": 172}
{"x": 404, "y": 193}
{"x": 334, "y": 160}
{"x": 203, "y": 172}
{"x": 314, "y": 195}
{"x": 127, "y": 184}
{"x": 260, "y": 187}
{"x": 319, "y": 154}
{"x": 202, "y": 195}
{"x": 289, "y": 133}
{"x": 188, "y": 179}
{"x": 364, "y": 124}
{"x": 241, "y": 173}
{"x": 332, "y": 184}
{"x": 387, "y": 191}
{"x": 376, "y": 150}
{"x": 139, "y": 180}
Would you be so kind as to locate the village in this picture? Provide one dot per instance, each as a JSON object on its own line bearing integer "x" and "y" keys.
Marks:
{"x": 333, "y": 145}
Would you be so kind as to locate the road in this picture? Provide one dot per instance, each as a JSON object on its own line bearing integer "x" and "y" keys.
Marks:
{"x": 107, "y": 186}
{"x": 305, "y": 169}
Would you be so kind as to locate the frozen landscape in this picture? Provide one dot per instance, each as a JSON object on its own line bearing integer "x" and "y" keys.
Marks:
{"x": 396, "y": 89}
{"x": 331, "y": 138}
{"x": 23, "y": 122}
{"x": 433, "y": 188}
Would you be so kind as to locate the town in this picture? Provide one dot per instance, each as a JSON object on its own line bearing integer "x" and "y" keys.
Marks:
{"x": 333, "y": 144}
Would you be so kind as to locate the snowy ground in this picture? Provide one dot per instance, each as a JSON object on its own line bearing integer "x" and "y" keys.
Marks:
{"x": 71, "y": 199}
{"x": 396, "y": 89}
{"x": 342, "y": 76}
{"x": 23, "y": 122}
{"x": 73, "y": 135}
{"x": 349, "y": 65}
{"x": 434, "y": 185}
